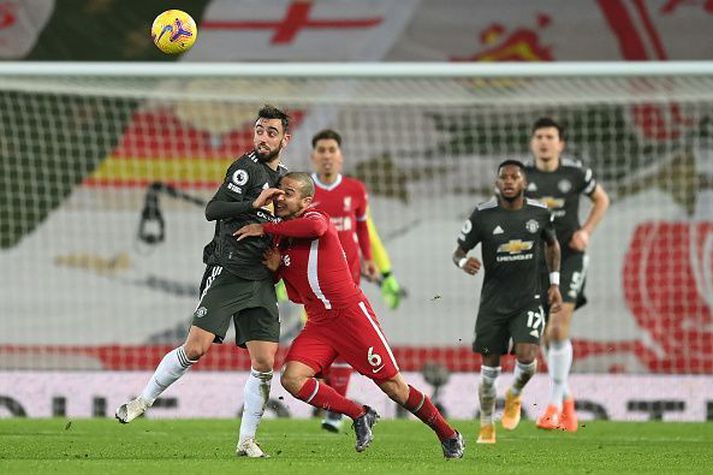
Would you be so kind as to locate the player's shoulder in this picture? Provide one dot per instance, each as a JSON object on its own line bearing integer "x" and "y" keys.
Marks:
{"x": 246, "y": 168}
{"x": 247, "y": 161}
{"x": 530, "y": 203}
{"x": 538, "y": 209}
{"x": 529, "y": 165}
{"x": 571, "y": 163}
{"x": 353, "y": 183}
{"x": 486, "y": 206}
{"x": 316, "y": 213}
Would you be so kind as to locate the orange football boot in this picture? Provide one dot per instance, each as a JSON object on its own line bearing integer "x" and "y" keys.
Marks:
{"x": 550, "y": 420}
{"x": 511, "y": 413}
{"x": 568, "y": 418}
{"x": 486, "y": 434}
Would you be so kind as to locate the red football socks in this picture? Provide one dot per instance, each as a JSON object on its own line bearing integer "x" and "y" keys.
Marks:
{"x": 320, "y": 395}
{"x": 421, "y": 406}
{"x": 338, "y": 378}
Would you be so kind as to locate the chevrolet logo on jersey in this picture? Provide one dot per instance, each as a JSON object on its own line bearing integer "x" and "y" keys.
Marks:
{"x": 270, "y": 208}
{"x": 515, "y": 246}
{"x": 514, "y": 250}
{"x": 552, "y": 203}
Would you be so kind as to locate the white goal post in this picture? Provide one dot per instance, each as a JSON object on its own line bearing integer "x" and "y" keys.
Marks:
{"x": 105, "y": 167}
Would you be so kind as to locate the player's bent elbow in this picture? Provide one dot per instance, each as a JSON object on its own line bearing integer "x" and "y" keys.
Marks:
{"x": 210, "y": 214}
{"x": 320, "y": 228}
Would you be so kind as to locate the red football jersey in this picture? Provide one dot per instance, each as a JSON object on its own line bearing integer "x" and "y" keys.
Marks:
{"x": 346, "y": 202}
{"x": 313, "y": 264}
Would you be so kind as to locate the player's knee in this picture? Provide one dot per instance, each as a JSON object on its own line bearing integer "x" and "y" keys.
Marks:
{"x": 292, "y": 382}
{"x": 195, "y": 351}
{"x": 526, "y": 354}
{"x": 525, "y": 359}
{"x": 262, "y": 363}
{"x": 557, "y": 331}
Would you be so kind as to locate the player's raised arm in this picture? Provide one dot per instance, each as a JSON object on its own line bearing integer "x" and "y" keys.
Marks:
{"x": 230, "y": 199}
{"x": 311, "y": 225}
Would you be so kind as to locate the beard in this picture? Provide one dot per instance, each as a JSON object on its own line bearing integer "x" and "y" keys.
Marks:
{"x": 268, "y": 156}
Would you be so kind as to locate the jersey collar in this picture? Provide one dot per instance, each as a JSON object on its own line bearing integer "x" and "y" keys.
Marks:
{"x": 324, "y": 186}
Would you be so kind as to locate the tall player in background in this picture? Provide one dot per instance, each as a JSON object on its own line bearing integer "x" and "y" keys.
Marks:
{"x": 345, "y": 200}
{"x": 558, "y": 182}
{"x": 311, "y": 260}
{"x": 236, "y": 285}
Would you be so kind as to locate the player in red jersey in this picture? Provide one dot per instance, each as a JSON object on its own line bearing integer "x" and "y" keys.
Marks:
{"x": 311, "y": 261}
{"x": 345, "y": 200}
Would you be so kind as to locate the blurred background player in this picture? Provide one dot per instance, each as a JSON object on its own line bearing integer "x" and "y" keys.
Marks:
{"x": 311, "y": 260}
{"x": 345, "y": 199}
{"x": 236, "y": 285}
{"x": 511, "y": 230}
{"x": 558, "y": 182}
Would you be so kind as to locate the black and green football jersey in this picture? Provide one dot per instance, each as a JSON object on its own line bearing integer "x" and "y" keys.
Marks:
{"x": 512, "y": 244}
{"x": 560, "y": 191}
{"x": 245, "y": 179}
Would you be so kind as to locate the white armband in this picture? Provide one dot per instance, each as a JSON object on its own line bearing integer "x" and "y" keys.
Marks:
{"x": 462, "y": 261}
{"x": 554, "y": 278}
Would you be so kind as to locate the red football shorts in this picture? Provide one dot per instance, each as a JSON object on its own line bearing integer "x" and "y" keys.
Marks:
{"x": 352, "y": 333}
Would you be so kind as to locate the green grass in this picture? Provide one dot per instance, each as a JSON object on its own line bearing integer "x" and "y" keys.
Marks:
{"x": 300, "y": 446}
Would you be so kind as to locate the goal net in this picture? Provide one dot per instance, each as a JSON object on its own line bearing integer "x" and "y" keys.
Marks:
{"x": 106, "y": 170}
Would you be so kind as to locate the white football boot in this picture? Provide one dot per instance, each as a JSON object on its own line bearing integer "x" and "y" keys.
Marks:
{"x": 249, "y": 448}
{"x": 131, "y": 410}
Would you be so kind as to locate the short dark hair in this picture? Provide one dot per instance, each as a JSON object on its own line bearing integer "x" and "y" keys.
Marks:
{"x": 545, "y": 122}
{"x": 305, "y": 180}
{"x": 268, "y": 111}
{"x": 327, "y": 134}
{"x": 516, "y": 163}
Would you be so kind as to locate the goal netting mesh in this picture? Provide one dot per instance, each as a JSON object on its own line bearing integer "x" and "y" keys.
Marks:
{"x": 104, "y": 179}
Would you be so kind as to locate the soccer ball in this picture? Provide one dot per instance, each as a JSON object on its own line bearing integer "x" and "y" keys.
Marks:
{"x": 174, "y": 31}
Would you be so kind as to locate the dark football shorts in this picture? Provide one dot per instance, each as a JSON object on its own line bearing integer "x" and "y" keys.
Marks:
{"x": 251, "y": 304}
{"x": 494, "y": 332}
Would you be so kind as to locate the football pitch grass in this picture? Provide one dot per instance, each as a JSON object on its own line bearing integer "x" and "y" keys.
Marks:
{"x": 302, "y": 447}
